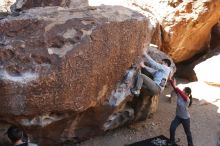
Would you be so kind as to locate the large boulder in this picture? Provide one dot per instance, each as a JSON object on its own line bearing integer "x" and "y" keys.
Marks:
{"x": 59, "y": 67}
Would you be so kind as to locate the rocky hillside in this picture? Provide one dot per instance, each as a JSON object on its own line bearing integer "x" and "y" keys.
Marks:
{"x": 66, "y": 66}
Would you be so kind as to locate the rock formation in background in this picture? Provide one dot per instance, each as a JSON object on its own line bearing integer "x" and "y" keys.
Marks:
{"x": 203, "y": 67}
{"x": 185, "y": 25}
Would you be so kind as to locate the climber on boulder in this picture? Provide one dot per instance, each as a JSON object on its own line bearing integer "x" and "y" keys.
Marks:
{"x": 160, "y": 73}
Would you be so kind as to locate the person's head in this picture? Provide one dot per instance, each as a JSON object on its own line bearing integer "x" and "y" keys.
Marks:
{"x": 188, "y": 92}
{"x": 166, "y": 62}
{"x": 14, "y": 134}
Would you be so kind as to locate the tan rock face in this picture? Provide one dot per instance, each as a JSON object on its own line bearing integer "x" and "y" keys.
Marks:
{"x": 58, "y": 67}
{"x": 203, "y": 67}
{"x": 186, "y": 25}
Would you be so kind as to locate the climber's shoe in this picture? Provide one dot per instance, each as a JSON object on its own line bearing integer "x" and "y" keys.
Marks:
{"x": 136, "y": 93}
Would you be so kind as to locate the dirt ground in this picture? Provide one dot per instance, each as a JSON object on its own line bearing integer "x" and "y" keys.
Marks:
{"x": 205, "y": 126}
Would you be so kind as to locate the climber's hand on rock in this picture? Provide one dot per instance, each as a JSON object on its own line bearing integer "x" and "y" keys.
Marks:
{"x": 142, "y": 64}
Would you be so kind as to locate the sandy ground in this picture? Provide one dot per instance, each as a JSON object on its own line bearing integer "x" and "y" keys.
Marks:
{"x": 205, "y": 126}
